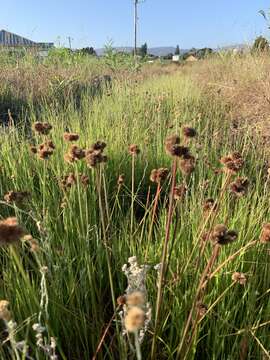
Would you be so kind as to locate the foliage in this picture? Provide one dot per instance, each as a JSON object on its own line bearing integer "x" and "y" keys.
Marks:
{"x": 260, "y": 44}
{"x": 88, "y": 51}
{"x": 75, "y": 265}
{"x": 143, "y": 50}
{"x": 177, "y": 50}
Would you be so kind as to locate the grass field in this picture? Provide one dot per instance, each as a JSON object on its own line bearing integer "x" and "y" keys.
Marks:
{"x": 208, "y": 288}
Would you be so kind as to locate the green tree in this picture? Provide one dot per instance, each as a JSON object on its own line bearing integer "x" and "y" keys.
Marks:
{"x": 143, "y": 50}
{"x": 260, "y": 44}
{"x": 88, "y": 51}
{"x": 177, "y": 50}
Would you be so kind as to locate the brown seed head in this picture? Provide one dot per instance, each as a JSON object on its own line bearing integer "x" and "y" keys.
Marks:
{"x": 74, "y": 153}
{"x": 121, "y": 300}
{"x": 233, "y": 162}
{"x": 159, "y": 175}
{"x": 189, "y": 132}
{"x": 68, "y": 180}
{"x": 98, "y": 146}
{"x": 42, "y": 128}
{"x": 134, "y": 149}
{"x": 187, "y": 164}
{"x": 33, "y": 149}
{"x": 209, "y": 205}
{"x": 265, "y": 234}
{"x": 172, "y": 140}
{"x": 16, "y": 196}
{"x": 201, "y": 308}
{"x": 239, "y": 187}
{"x": 239, "y": 277}
{"x": 179, "y": 192}
{"x": 10, "y": 231}
{"x": 222, "y": 236}
{"x": 93, "y": 158}
{"x": 121, "y": 179}
{"x": 70, "y": 136}
{"x": 85, "y": 180}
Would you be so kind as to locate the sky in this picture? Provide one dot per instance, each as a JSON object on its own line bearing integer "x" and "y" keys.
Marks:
{"x": 189, "y": 23}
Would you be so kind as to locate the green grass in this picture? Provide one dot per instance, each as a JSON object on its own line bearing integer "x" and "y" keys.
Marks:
{"x": 71, "y": 238}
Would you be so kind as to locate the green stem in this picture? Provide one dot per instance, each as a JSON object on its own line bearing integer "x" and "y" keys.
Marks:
{"x": 137, "y": 346}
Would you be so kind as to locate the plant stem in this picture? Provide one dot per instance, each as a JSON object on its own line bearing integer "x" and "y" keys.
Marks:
{"x": 132, "y": 194}
{"x": 137, "y": 346}
{"x": 163, "y": 259}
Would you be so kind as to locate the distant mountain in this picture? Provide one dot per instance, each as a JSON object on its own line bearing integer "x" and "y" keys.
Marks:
{"x": 165, "y": 50}
{"x": 157, "y": 51}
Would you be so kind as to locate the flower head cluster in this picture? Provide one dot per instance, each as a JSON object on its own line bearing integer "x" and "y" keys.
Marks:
{"x": 44, "y": 150}
{"x": 70, "y": 137}
{"x": 16, "y": 196}
{"x": 134, "y": 150}
{"x": 69, "y": 180}
{"x": 121, "y": 180}
{"x": 74, "y": 153}
{"x": 233, "y": 163}
{"x": 189, "y": 132}
{"x": 179, "y": 192}
{"x": 173, "y": 148}
{"x": 187, "y": 164}
{"x": 95, "y": 156}
{"x": 10, "y": 231}
{"x": 159, "y": 175}
{"x": 222, "y": 236}
{"x": 240, "y": 186}
{"x": 209, "y": 205}
{"x": 239, "y": 278}
{"x": 42, "y": 128}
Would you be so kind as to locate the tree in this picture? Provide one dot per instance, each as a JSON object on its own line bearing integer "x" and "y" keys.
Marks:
{"x": 260, "y": 44}
{"x": 143, "y": 50}
{"x": 177, "y": 50}
{"x": 88, "y": 51}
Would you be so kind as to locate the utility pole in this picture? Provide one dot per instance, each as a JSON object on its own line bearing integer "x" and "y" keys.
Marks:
{"x": 135, "y": 26}
{"x": 69, "y": 41}
{"x": 136, "y": 2}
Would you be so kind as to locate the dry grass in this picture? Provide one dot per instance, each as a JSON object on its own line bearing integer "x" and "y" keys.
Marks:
{"x": 242, "y": 82}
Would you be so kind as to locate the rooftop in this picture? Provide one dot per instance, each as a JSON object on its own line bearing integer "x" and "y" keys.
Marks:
{"x": 9, "y": 39}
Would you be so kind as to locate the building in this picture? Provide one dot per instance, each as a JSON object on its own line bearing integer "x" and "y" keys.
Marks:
{"x": 176, "y": 58}
{"x": 10, "y": 40}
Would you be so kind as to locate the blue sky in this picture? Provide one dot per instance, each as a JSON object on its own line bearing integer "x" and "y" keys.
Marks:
{"x": 189, "y": 23}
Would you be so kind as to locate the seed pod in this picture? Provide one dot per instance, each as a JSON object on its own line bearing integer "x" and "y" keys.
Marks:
{"x": 233, "y": 162}
{"x": 209, "y": 205}
{"x": 10, "y": 231}
{"x": 187, "y": 164}
{"x": 239, "y": 277}
{"x": 70, "y": 137}
{"x": 265, "y": 234}
{"x": 239, "y": 187}
{"x": 189, "y": 132}
{"x": 134, "y": 150}
{"x": 121, "y": 179}
{"x": 222, "y": 236}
